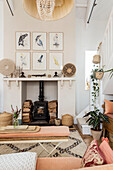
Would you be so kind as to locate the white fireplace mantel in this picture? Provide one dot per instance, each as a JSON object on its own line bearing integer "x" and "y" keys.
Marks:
{"x": 17, "y": 90}
{"x": 17, "y": 80}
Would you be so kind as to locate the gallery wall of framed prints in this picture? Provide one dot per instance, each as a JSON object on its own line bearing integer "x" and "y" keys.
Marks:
{"x": 39, "y": 51}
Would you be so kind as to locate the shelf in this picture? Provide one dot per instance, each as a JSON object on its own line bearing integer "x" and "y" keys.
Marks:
{"x": 39, "y": 79}
{"x": 17, "y": 80}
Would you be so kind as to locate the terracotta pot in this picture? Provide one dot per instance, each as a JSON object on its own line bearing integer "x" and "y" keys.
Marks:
{"x": 96, "y": 134}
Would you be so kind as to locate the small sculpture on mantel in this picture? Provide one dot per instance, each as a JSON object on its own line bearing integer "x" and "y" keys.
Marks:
{"x": 56, "y": 74}
{"x": 22, "y": 75}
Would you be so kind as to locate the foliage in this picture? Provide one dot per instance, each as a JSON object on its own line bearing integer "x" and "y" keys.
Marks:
{"x": 96, "y": 118}
{"x": 95, "y": 92}
{"x": 110, "y": 74}
{"x": 15, "y": 113}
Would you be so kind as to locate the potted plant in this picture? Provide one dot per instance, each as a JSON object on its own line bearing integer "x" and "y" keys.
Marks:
{"x": 110, "y": 74}
{"x": 95, "y": 120}
{"x": 98, "y": 73}
{"x": 95, "y": 116}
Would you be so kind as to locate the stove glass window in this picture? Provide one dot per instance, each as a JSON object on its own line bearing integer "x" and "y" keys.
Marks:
{"x": 40, "y": 110}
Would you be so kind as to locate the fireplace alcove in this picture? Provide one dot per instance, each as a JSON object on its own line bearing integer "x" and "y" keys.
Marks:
{"x": 40, "y": 93}
{"x": 17, "y": 90}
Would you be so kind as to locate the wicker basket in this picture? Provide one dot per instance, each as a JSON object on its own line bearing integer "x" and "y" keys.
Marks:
{"x": 6, "y": 119}
{"x": 67, "y": 120}
{"x": 96, "y": 59}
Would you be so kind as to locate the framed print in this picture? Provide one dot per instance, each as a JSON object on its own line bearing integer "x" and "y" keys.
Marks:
{"x": 39, "y": 41}
{"x": 39, "y": 61}
{"x": 56, "y": 61}
{"x": 22, "y": 40}
{"x": 23, "y": 60}
{"x": 56, "y": 41}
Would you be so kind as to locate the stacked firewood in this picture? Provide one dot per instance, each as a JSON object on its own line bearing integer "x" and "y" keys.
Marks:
{"x": 52, "y": 108}
{"x": 27, "y": 110}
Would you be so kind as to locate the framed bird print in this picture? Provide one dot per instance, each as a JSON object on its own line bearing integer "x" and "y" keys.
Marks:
{"x": 39, "y": 61}
{"x": 39, "y": 41}
{"x": 56, "y": 41}
{"x": 23, "y": 60}
{"x": 22, "y": 40}
{"x": 55, "y": 61}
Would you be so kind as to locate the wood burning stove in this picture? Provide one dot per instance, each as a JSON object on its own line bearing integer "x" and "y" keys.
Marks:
{"x": 40, "y": 108}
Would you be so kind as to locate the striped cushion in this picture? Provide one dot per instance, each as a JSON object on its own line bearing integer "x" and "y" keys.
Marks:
{"x": 107, "y": 151}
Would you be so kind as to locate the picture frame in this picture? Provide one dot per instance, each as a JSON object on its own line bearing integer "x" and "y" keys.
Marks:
{"x": 23, "y": 60}
{"x": 56, "y": 41}
{"x": 23, "y": 40}
{"x": 55, "y": 61}
{"x": 39, "y": 61}
{"x": 39, "y": 41}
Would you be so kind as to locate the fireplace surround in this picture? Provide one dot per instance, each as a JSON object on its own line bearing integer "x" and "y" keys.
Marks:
{"x": 17, "y": 90}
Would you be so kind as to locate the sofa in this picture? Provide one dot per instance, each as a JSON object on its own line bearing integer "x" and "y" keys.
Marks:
{"x": 29, "y": 161}
{"x": 67, "y": 163}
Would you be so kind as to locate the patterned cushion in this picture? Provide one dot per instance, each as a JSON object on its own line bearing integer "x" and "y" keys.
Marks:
{"x": 18, "y": 161}
{"x": 93, "y": 155}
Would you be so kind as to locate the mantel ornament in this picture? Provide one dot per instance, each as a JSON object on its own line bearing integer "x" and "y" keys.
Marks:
{"x": 69, "y": 70}
{"x": 7, "y": 67}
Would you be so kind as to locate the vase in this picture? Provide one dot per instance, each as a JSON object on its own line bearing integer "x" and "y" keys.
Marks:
{"x": 16, "y": 123}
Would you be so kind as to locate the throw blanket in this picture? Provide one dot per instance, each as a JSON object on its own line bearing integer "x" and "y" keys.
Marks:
{"x": 18, "y": 161}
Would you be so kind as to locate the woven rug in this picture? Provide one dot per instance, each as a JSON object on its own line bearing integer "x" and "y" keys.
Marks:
{"x": 75, "y": 147}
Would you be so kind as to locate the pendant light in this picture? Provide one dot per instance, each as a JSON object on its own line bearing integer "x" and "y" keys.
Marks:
{"x": 48, "y": 9}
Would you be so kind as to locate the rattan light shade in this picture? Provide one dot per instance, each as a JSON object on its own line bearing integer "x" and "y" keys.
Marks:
{"x": 60, "y": 10}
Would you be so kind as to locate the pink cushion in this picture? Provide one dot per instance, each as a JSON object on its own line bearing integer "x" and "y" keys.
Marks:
{"x": 110, "y": 115}
{"x": 93, "y": 155}
{"x": 108, "y": 107}
{"x": 107, "y": 151}
{"x": 46, "y": 131}
{"x": 59, "y": 163}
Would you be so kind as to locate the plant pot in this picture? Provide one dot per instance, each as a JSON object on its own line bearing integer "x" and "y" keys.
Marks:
{"x": 96, "y": 134}
{"x": 16, "y": 123}
{"x": 99, "y": 75}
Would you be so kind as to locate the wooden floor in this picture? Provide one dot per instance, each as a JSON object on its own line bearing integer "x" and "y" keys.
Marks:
{"x": 87, "y": 138}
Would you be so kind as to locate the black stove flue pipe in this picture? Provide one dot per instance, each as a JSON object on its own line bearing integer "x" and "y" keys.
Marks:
{"x": 41, "y": 90}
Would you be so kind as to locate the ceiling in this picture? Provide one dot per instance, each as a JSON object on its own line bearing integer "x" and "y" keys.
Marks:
{"x": 101, "y": 11}
{"x": 81, "y": 6}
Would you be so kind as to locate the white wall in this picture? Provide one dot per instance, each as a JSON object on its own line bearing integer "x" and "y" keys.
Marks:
{"x": 1, "y": 54}
{"x": 23, "y": 22}
{"x": 86, "y": 39}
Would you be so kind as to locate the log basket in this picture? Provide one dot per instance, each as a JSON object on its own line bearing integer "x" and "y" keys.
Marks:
{"x": 67, "y": 120}
{"x": 6, "y": 119}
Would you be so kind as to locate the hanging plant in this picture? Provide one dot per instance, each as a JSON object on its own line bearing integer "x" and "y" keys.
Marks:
{"x": 95, "y": 115}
